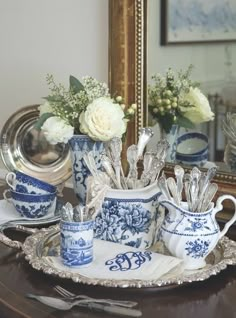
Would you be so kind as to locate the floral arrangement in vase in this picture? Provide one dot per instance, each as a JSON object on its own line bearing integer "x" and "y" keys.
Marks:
{"x": 84, "y": 116}
{"x": 174, "y": 99}
{"x": 84, "y": 108}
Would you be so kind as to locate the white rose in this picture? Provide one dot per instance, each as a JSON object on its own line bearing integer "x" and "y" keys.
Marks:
{"x": 45, "y": 108}
{"x": 57, "y": 130}
{"x": 102, "y": 120}
{"x": 201, "y": 112}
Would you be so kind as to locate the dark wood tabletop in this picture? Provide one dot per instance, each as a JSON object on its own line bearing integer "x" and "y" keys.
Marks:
{"x": 214, "y": 297}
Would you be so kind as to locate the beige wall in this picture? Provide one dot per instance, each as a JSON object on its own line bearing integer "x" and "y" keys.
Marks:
{"x": 60, "y": 37}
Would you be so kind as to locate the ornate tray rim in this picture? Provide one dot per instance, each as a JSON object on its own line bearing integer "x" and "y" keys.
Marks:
{"x": 33, "y": 243}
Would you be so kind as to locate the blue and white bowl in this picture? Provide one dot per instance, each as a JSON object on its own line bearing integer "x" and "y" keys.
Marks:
{"x": 192, "y": 160}
{"x": 24, "y": 183}
{"x": 31, "y": 205}
{"x": 192, "y": 143}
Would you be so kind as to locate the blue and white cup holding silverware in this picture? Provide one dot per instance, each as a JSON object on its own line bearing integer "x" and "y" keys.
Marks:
{"x": 21, "y": 182}
{"x": 192, "y": 236}
{"x": 31, "y": 205}
{"x": 76, "y": 243}
{"x": 131, "y": 217}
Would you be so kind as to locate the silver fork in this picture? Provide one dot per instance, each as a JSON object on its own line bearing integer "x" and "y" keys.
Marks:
{"x": 67, "y": 304}
{"x": 122, "y": 303}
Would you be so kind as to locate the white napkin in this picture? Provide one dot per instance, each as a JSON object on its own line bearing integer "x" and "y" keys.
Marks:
{"x": 120, "y": 262}
{"x": 9, "y": 213}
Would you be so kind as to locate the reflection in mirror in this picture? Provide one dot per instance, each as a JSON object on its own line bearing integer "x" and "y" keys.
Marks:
{"x": 214, "y": 68}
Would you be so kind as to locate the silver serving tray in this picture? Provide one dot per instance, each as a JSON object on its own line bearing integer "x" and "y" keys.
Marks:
{"x": 45, "y": 242}
{"x": 24, "y": 148}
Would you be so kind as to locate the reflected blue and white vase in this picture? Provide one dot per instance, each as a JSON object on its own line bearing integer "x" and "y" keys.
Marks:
{"x": 79, "y": 144}
{"x": 171, "y": 137}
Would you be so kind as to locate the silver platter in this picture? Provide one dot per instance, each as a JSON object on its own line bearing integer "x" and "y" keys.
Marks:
{"x": 25, "y": 149}
{"x": 45, "y": 242}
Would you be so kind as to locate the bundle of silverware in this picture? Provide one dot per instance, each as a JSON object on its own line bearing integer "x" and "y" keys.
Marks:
{"x": 197, "y": 186}
{"x": 113, "y": 174}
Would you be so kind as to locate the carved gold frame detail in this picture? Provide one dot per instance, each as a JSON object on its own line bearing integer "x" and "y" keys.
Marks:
{"x": 127, "y": 58}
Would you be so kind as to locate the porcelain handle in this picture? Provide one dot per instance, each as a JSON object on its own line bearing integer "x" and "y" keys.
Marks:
{"x": 219, "y": 207}
{"x": 5, "y": 195}
{"x": 10, "y": 178}
{"x": 7, "y": 241}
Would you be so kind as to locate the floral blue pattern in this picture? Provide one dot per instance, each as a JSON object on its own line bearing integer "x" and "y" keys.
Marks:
{"x": 197, "y": 224}
{"x": 120, "y": 220}
{"x": 197, "y": 248}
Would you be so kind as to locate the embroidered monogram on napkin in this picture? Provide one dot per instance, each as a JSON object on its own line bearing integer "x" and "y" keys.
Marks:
{"x": 116, "y": 261}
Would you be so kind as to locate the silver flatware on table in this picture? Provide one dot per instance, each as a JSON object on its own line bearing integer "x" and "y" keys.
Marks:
{"x": 68, "y": 295}
{"x": 64, "y": 304}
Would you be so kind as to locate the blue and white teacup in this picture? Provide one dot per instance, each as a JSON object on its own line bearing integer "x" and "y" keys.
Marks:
{"x": 31, "y": 205}
{"x": 76, "y": 243}
{"x": 130, "y": 217}
{"x": 24, "y": 183}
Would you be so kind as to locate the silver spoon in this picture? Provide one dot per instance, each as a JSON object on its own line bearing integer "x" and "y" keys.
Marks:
{"x": 115, "y": 147}
{"x": 163, "y": 187}
{"x": 147, "y": 164}
{"x": 209, "y": 195}
{"x": 187, "y": 194}
{"x": 132, "y": 158}
{"x": 173, "y": 190}
{"x": 208, "y": 177}
{"x": 194, "y": 187}
{"x": 106, "y": 163}
{"x": 179, "y": 174}
{"x": 144, "y": 136}
{"x": 62, "y": 304}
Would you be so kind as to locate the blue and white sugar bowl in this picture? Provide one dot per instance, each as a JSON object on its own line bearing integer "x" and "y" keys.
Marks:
{"x": 192, "y": 149}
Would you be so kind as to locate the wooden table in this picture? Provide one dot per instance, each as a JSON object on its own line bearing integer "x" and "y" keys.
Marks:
{"x": 215, "y": 297}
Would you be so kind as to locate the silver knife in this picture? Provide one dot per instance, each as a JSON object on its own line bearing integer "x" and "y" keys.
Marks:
{"x": 62, "y": 304}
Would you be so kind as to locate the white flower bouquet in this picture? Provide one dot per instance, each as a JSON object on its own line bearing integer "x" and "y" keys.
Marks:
{"x": 85, "y": 108}
{"x": 175, "y": 99}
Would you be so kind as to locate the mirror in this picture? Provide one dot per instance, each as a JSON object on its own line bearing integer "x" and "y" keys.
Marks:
{"x": 128, "y": 44}
{"x": 175, "y": 41}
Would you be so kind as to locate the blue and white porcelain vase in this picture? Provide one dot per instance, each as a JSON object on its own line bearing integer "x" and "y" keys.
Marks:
{"x": 79, "y": 144}
{"x": 171, "y": 137}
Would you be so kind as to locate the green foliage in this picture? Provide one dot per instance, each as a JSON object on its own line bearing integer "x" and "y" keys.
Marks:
{"x": 39, "y": 123}
{"x": 75, "y": 85}
{"x": 184, "y": 122}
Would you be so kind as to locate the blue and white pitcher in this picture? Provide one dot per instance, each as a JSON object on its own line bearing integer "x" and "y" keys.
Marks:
{"x": 191, "y": 236}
